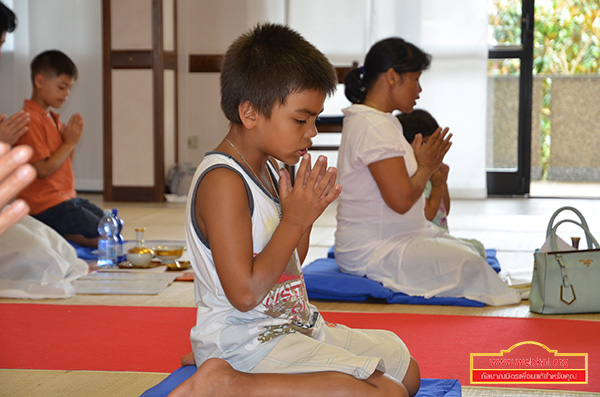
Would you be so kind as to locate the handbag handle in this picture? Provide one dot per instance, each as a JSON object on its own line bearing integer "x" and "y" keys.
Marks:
{"x": 592, "y": 243}
{"x": 583, "y": 225}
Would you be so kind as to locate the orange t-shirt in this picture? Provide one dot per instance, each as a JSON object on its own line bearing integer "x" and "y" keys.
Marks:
{"x": 44, "y": 136}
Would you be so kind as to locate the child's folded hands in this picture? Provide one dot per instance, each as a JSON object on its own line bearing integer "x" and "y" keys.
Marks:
{"x": 313, "y": 191}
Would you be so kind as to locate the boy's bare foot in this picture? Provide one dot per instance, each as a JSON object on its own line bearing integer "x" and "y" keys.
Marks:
{"x": 212, "y": 378}
{"x": 188, "y": 359}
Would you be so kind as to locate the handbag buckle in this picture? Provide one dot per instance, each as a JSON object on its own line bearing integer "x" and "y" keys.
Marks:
{"x": 572, "y": 292}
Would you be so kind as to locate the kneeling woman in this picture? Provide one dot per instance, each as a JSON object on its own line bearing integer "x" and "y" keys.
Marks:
{"x": 382, "y": 232}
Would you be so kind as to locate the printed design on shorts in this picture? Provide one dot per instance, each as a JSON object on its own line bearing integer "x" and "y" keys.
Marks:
{"x": 288, "y": 299}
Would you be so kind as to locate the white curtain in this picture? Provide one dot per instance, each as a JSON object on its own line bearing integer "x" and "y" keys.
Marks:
{"x": 454, "y": 88}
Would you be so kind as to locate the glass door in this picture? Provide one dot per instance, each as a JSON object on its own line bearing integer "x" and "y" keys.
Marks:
{"x": 510, "y": 68}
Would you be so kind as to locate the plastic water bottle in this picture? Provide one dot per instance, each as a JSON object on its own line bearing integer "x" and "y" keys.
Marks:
{"x": 107, "y": 243}
{"x": 120, "y": 223}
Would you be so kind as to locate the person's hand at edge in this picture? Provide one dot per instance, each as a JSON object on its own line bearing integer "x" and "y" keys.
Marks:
{"x": 13, "y": 127}
{"x": 15, "y": 175}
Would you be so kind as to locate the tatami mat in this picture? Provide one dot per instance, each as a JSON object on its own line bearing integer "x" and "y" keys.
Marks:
{"x": 29, "y": 383}
{"x": 515, "y": 227}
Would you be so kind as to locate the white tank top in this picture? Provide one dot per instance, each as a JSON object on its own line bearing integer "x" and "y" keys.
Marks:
{"x": 244, "y": 338}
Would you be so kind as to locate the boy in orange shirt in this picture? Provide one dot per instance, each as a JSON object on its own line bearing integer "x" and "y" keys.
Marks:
{"x": 52, "y": 195}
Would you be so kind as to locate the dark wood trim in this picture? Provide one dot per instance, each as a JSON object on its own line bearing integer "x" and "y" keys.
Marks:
{"x": 106, "y": 102}
{"x": 505, "y": 51}
{"x": 158, "y": 95}
{"x": 134, "y": 59}
{"x": 133, "y": 193}
{"x": 205, "y": 63}
{"x": 170, "y": 60}
{"x": 333, "y": 148}
{"x": 343, "y": 71}
{"x": 158, "y": 60}
{"x": 211, "y": 63}
{"x": 176, "y": 110}
{"x": 172, "y": 63}
{"x": 329, "y": 124}
{"x": 329, "y": 128}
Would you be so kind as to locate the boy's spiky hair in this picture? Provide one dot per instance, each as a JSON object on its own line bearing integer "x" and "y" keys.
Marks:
{"x": 267, "y": 64}
{"x": 53, "y": 63}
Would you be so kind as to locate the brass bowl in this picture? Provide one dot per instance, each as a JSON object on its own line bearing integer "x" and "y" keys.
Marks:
{"x": 168, "y": 254}
{"x": 168, "y": 251}
{"x": 179, "y": 265}
{"x": 129, "y": 265}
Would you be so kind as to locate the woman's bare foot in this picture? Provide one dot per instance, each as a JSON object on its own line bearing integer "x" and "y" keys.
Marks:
{"x": 211, "y": 379}
{"x": 188, "y": 359}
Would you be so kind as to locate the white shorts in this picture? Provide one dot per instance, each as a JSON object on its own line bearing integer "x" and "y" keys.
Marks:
{"x": 355, "y": 352}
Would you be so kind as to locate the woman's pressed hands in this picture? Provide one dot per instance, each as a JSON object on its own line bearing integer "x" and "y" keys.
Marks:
{"x": 431, "y": 154}
{"x": 314, "y": 190}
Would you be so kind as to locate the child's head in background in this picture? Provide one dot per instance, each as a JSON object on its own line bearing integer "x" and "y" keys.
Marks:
{"x": 8, "y": 23}
{"x": 419, "y": 121}
{"x": 53, "y": 74}
{"x": 266, "y": 65}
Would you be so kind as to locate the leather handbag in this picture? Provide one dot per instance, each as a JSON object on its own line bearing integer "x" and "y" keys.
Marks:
{"x": 566, "y": 280}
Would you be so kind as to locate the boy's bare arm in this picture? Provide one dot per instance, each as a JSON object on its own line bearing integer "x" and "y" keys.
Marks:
{"x": 303, "y": 245}
{"x": 439, "y": 190}
{"x": 446, "y": 195}
{"x": 224, "y": 213}
{"x": 71, "y": 135}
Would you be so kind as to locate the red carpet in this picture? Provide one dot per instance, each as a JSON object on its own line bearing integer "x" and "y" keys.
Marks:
{"x": 442, "y": 345}
{"x": 152, "y": 339}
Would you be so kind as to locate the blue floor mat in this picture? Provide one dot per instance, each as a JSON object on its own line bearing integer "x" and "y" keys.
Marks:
{"x": 84, "y": 253}
{"x": 429, "y": 387}
{"x": 325, "y": 281}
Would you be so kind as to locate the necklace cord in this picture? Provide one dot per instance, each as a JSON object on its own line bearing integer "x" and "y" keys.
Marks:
{"x": 252, "y": 170}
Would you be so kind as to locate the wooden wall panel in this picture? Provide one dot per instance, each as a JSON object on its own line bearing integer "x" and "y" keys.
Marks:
{"x": 140, "y": 97}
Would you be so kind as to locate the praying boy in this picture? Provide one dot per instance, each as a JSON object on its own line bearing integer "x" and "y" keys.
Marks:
{"x": 51, "y": 196}
{"x": 248, "y": 229}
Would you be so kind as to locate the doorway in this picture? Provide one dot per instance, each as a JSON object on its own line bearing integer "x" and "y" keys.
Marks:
{"x": 544, "y": 86}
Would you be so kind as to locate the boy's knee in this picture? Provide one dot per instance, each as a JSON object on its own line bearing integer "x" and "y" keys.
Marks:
{"x": 412, "y": 379}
